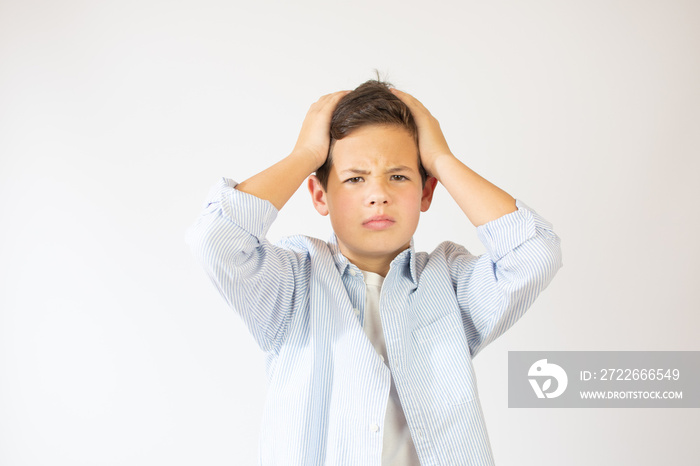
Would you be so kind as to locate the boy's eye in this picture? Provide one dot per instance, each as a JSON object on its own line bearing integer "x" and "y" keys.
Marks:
{"x": 398, "y": 177}
{"x": 355, "y": 179}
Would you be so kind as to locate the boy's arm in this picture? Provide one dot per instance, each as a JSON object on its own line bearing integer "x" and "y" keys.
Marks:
{"x": 479, "y": 199}
{"x": 279, "y": 182}
{"x": 523, "y": 253}
{"x": 263, "y": 283}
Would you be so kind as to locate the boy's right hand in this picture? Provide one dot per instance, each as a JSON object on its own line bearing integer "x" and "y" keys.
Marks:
{"x": 278, "y": 183}
{"x": 314, "y": 137}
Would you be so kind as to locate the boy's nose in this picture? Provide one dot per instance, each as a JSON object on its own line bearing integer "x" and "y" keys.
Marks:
{"x": 378, "y": 193}
{"x": 378, "y": 196}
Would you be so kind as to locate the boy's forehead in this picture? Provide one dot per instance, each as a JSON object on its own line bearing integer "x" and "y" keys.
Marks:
{"x": 372, "y": 145}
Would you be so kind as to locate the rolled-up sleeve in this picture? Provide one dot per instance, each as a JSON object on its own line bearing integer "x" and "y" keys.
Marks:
{"x": 495, "y": 289}
{"x": 262, "y": 282}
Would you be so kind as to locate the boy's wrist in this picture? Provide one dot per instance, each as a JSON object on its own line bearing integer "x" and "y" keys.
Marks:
{"x": 440, "y": 163}
{"x": 307, "y": 158}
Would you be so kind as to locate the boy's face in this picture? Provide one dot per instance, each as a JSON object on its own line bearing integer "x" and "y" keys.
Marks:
{"x": 374, "y": 194}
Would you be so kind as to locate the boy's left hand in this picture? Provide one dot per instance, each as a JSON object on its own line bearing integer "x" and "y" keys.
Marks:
{"x": 480, "y": 200}
{"x": 431, "y": 142}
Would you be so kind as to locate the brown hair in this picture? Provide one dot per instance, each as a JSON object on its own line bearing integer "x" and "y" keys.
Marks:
{"x": 372, "y": 103}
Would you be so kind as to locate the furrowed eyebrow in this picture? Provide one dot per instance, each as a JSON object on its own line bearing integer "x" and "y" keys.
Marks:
{"x": 358, "y": 171}
{"x": 354, "y": 171}
{"x": 400, "y": 168}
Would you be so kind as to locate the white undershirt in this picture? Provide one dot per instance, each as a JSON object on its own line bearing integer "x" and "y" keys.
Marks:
{"x": 398, "y": 448}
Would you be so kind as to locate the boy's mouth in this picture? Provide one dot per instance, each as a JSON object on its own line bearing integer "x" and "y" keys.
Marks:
{"x": 378, "y": 222}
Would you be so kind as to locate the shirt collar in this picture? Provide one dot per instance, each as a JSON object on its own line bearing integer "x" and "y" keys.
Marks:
{"x": 406, "y": 259}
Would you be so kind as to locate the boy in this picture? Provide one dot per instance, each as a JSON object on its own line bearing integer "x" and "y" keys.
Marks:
{"x": 369, "y": 344}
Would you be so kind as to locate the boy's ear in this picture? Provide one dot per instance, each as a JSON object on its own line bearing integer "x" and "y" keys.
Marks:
{"x": 428, "y": 191}
{"x": 318, "y": 195}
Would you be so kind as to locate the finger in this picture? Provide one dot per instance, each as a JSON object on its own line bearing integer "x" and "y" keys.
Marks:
{"x": 402, "y": 95}
{"x": 328, "y": 101}
{"x": 333, "y": 96}
{"x": 408, "y": 99}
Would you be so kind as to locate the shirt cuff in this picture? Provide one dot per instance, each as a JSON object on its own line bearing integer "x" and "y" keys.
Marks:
{"x": 250, "y": 213}
{"x": 506, "y": 233}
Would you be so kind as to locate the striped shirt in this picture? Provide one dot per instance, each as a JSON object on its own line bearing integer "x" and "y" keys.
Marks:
{"x": 397, "y": 446}
{"x": 303, "y": 302}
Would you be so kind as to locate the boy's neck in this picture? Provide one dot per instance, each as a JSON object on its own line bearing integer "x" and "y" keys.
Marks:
{"x": 375, "y": 264}
{"x": 380, "y": 268}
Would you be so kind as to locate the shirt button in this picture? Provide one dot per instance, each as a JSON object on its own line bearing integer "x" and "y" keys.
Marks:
{"x": 374, "y": 428}
{"x": 351, "y": 272}
{"x": 357, "y": 312}
{"x": 382, "y": 356}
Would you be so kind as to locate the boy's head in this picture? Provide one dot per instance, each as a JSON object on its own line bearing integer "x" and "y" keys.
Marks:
{"x": 373, "y": 186}
{"x": 370, "y": 104}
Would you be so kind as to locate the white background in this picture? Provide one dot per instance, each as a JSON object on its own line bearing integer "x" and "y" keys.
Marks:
{"x": 117, "y": 116}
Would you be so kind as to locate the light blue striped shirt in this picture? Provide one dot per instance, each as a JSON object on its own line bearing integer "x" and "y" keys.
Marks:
{"x": 328, "y": 387}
